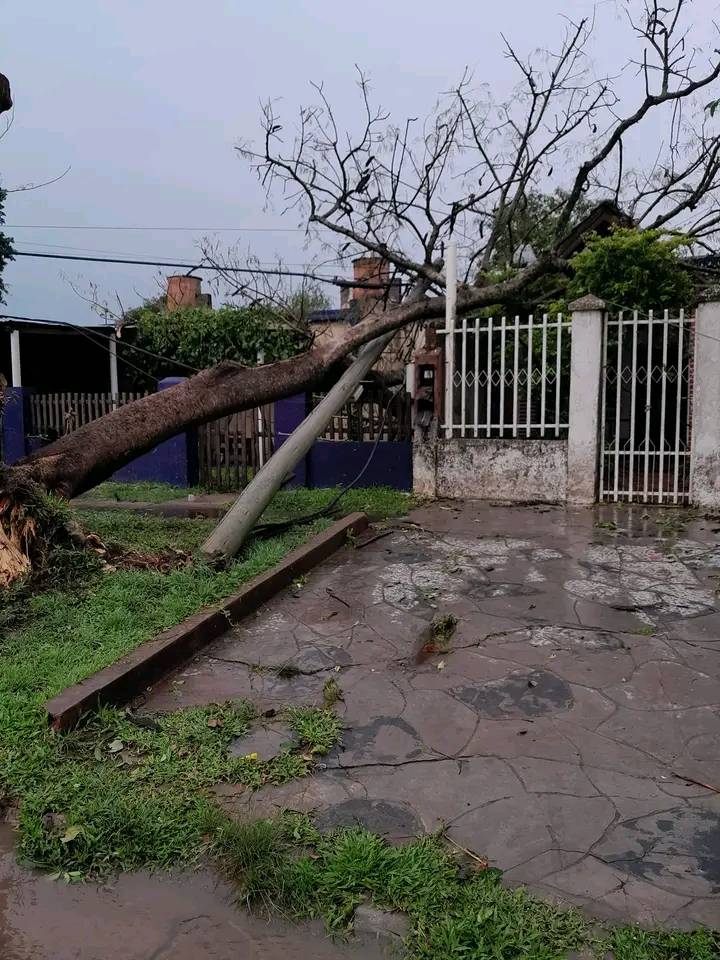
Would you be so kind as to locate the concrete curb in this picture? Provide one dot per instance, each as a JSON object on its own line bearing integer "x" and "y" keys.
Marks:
{"x": 125, "y": 678}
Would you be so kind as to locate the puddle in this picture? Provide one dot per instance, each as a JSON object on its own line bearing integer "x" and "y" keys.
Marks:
{"x": 182, "y": 916}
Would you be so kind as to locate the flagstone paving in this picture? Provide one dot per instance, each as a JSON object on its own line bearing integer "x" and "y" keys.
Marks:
{"x": 564, "y": 732}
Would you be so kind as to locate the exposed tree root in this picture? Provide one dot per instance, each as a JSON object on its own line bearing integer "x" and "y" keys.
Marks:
{"x": 32, "y": 525}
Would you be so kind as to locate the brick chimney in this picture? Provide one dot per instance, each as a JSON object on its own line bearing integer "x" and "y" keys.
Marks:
{"x": 371, "y": 270}
{"x": 185, "y": 291}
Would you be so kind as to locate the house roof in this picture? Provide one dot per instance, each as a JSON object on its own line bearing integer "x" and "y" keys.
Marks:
{"x": 37, "y": 326}
{"x": 605, "y": 215}
{"x": 343, "y": 314}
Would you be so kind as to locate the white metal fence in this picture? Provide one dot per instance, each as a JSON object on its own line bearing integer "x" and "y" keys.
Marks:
{"x": 507, "y": 377}
{"x": 647, "y": 408}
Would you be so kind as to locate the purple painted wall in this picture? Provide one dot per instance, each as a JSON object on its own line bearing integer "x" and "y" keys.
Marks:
{"x": 175, "y": 461}
{"x": 335, "y": 463}
{"x": 15, "y": 421}
{"x": 332, "y": 463}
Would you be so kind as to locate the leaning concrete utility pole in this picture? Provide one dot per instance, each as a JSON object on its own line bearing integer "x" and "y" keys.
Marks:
{"x": 232, "y": 531}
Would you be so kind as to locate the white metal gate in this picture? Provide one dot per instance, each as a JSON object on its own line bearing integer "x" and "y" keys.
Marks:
{"x": 647, "y": 408}
{"x": 508, "y": 377}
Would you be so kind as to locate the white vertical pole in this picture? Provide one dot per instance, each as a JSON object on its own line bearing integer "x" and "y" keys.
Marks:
{"x": 558, "y": 373}
{"x": 450, "y": 315}
{"x": 528, "y": 415}
{"x": 633, "y": 406}
{"x": 678, "y": 404}
{"x": 463, "y": 386}
{"x": 113, "y": 369}
{"x": 476, "y": 385}
{"x": 502, "y": 376}
{"x": 261, "y": 437}
{"x": 603, "y": 406}
{"x": 543, "y": 376}
{"x": 15, "y": 358}
{"x": 488, "y": 416}
{"x": 648, "y": 396}
{"x": 618, "y": 400}
{"x": 663, "y": 398}
{"x": 516, "y": 358}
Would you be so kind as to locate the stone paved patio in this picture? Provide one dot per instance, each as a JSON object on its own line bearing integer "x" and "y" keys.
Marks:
{"x": 554, "y": 736}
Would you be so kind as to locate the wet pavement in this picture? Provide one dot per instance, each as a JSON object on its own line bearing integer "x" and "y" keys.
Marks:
{"x": 182, "y": 916}
{"x": 559, "y": 731}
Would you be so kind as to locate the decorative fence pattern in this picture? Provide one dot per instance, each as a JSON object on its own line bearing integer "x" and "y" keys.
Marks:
{"x": 507, "y": 377}
{"x": 232, "y": 449}
{"x": 52, "y": 415}
{"x": 647, "y": 408}
{"x": 378, "y": 413}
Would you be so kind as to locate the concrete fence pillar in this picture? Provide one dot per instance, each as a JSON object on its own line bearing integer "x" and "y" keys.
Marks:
{"x": 705, "y": 399}
{"x": 585, "y": 381}
{"x": 15, "y": 423}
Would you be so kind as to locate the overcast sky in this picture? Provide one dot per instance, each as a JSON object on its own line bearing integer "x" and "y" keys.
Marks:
{"x": 145, "y": 100}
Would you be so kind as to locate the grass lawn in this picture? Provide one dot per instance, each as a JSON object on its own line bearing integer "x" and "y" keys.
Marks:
{"x": 115, "y": 795}
{"x": 84, "y": 620}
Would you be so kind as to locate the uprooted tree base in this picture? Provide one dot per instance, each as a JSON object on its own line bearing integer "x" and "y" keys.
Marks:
{"x": 31, "y": 524}
{"x": 40, "y": 542}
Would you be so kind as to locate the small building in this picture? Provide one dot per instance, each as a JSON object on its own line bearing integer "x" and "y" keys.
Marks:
{"x": 52, "y": 357}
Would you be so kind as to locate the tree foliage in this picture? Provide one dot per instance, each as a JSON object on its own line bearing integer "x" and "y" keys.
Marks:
{"x": 531, "y": 230}
{"x": 6, "y": 250}
{"x": 199, "y": 337}
{"x": 633, "y": 269}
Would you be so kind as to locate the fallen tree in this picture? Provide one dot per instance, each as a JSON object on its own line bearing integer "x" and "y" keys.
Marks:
{"x": 401, "y": 193}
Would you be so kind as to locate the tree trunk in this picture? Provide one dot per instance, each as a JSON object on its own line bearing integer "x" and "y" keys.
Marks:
{"x": 80, "y": 460}
{"x": 84, "y": 458}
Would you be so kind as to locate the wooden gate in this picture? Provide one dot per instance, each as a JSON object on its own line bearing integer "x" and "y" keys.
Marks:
{"x": 232, "y": 449}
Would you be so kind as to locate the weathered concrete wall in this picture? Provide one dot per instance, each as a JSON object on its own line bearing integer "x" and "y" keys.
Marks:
{"x": 705, "y": 451}
{"x": 425, "y": 468}
{"x": 513, "y": 470}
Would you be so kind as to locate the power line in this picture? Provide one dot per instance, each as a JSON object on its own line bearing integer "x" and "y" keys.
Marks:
{"x": 126, "y": 253}
{"x": 77, "y": 226}
{"x": 274, "y": 272}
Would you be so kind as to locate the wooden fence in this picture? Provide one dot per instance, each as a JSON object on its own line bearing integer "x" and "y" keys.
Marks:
{"x": 52, "y": 415}
{"x": 377, "y": 413}
{"x": 232, "y": 449}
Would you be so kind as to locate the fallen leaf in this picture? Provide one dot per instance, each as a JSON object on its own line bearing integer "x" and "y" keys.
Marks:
{"x": 70, "y": 834}
{"x": 250, "y": 756}
{"x": 116, "y": 746}
{"x": 215, "y": 722}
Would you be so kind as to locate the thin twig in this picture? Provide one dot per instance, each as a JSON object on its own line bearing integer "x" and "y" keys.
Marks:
{"x": 698, "y": 783}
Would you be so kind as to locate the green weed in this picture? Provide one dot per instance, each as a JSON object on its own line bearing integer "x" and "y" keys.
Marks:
{"x": 450, "y": 917}
{"x": 631, "y": 943}
{"x": 332, "y": 693}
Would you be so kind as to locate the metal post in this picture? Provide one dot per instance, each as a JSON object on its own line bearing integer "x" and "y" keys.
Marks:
{"x": 113, "y": 370}
{"x": 260, "y": 423}
{"x": 450, "y": 317}
{"x": 15, "y": 358}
